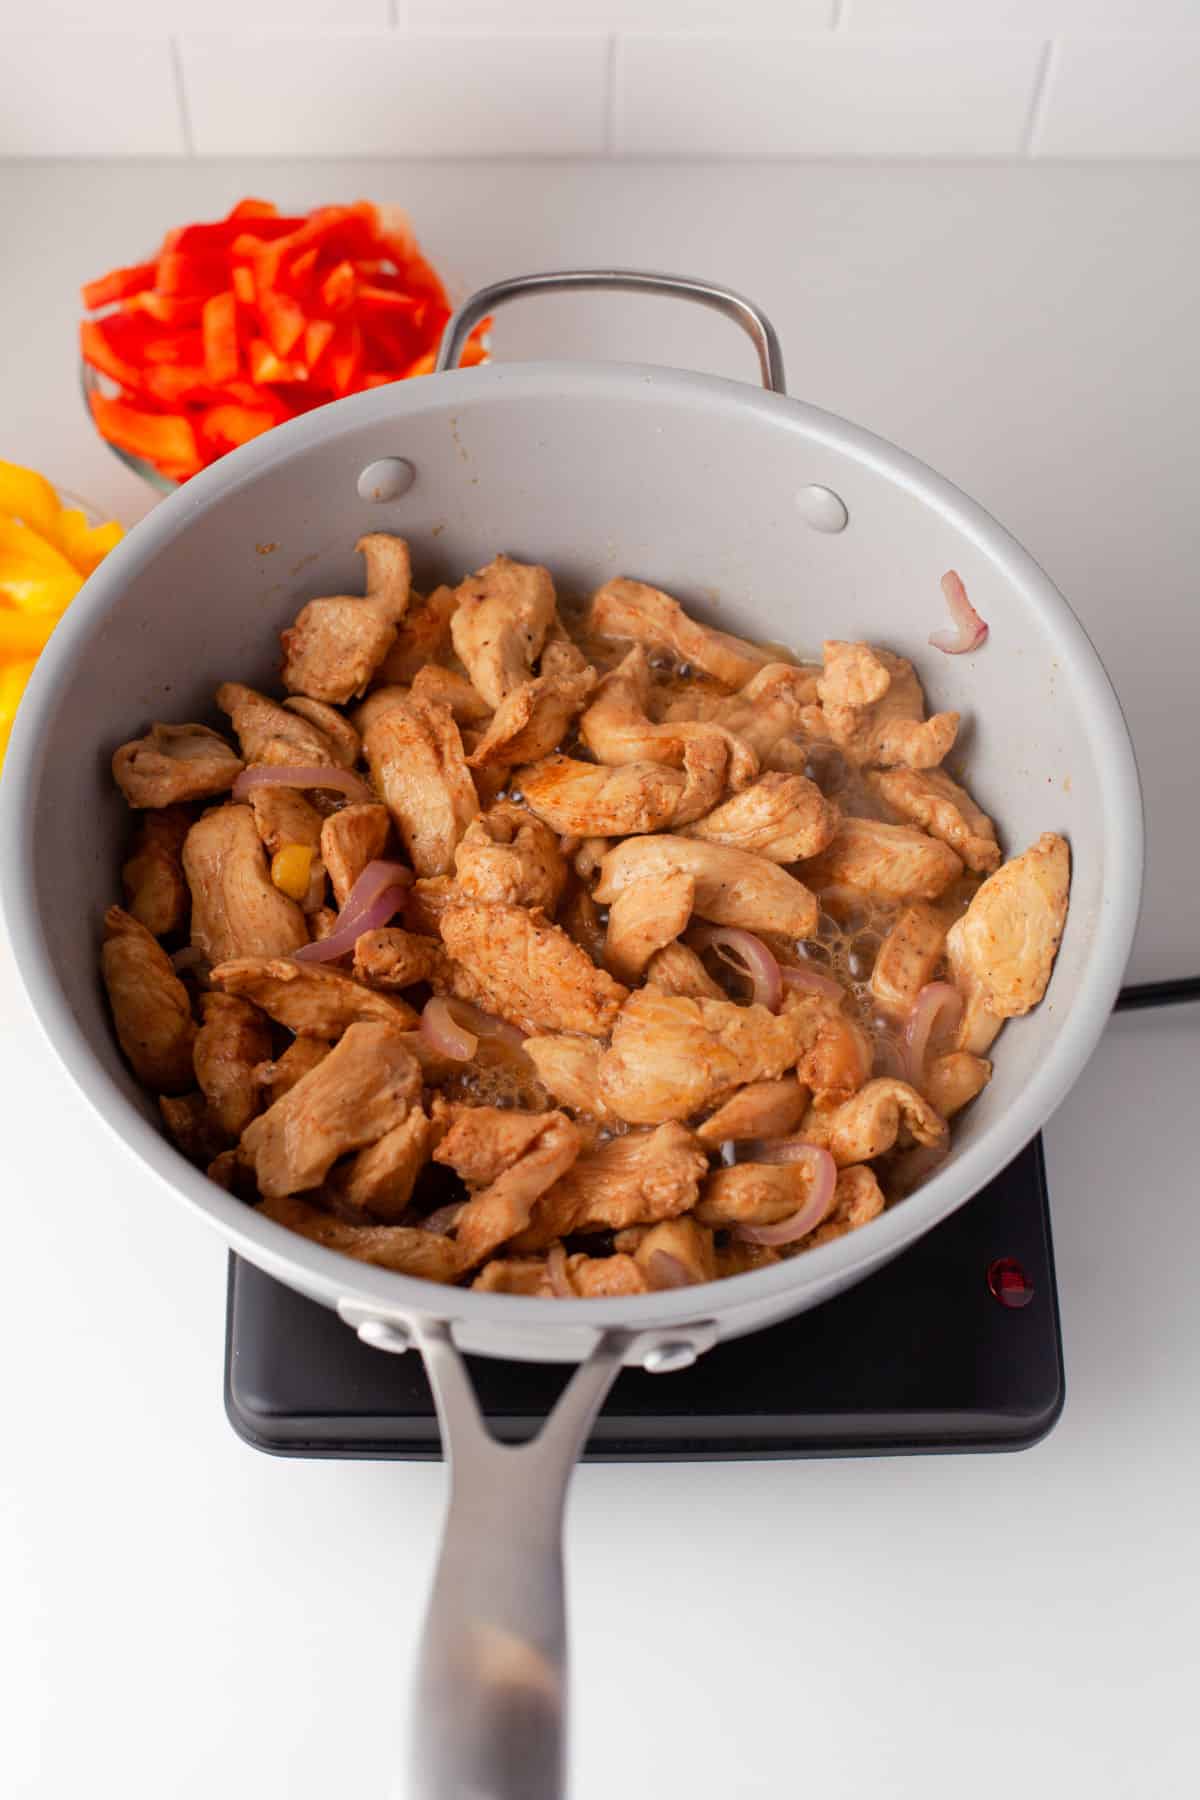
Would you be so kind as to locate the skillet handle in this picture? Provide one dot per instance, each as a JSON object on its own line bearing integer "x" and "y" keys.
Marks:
{"x": 743, "y": 312}
{"x": 491, "y": 1697}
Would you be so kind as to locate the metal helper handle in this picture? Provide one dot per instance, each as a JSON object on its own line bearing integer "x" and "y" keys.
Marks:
{"x": 491, "y": 1698}
{"x": 743, "y": 312}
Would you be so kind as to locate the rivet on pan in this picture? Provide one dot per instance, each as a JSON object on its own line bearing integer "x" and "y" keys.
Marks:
{"x": 380, "y": 1334}
{"x": 670, "y": 1354}
{"x": 386, "y": 479}
{"x": 821, "y": 508}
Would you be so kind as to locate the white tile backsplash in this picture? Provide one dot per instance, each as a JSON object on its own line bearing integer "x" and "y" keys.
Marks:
{"x": 388, "y": 94}
{"x": 749, "y": 17}
{"x": 829, "y": 96}
{"x": 84, "y": 94}
{"x": 1032, "y": 18}
{"x": 1124, "y": 97}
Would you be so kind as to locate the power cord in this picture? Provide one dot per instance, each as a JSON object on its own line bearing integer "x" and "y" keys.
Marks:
{"x": 1158, "y": 993}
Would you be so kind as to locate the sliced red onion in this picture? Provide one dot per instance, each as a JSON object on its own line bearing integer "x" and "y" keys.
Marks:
{"x": 938, "y": 1003}
{"x": 666, "y": 1271}
{"x": 559, "y": 1274}
{"x": 807, "y": 980}
{"x": 344, "y": 936}
{"x": 969, "y": 629}
{"x": 817, "y": 1203}
{"x": 442, "y": 1031}
{"x": 491, "y": 1029}
{"x": 374, "y": 880}
{"x": 301, "y": 775}
{"x": 747, "y": 955}
{"x": 443, "y": 1221}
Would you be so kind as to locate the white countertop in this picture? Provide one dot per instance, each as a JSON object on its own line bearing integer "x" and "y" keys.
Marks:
{"x": 183, "y": 1615}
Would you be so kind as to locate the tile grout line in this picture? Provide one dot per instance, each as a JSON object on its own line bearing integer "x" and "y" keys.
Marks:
{"x": 1040, "y": 99}
{"x": 841, "y": 9}
{"x": 181, "y": 99}
{"x": 610, "y": 98}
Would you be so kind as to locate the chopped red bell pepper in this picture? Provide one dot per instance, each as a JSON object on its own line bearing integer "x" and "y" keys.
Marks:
{"x": 266, "y": 366}
{"x": 225, "y": 427}
{"x": 317, "y": 335}
{"x": 339, "y": 287}
{"x": 176, "y": 347}
{"x": 283, "y": 321}
{"x": 117, "y": 284}
{"x": 344, "y": 358}
{"x": 97, "y": 348}
{"x": 218, "y": 329}
{"x": 185, "y": 274}
{"x": 242, "y": 279}
{"x": 172, "y": 382}
{"x": 162, "y": 437}
{"x": 166, "y": 309}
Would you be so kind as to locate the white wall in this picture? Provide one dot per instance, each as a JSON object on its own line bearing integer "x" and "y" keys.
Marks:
{"x": 662, "y": 78}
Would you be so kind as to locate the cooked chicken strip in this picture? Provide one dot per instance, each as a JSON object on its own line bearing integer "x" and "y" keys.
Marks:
{"x": 834, "y": 1055}
{"x": 192, "y": 1128}
{"x": 350, "y": 839}
{"x": 907, "y": 958}
{"x": 284, "y": 817}
{"x": 880, "y": 1113}
{"x": 671, "y": 1057}
{"x": 603, "y": 1277}
{"x": 504, "y": 612}
{"x": 617, "y": 729}
{"x": 736, "y": 1258}
{"x": 580, "y": 919}
{"x": 467, "y": 705}
{"x": 279, "y": 1077}
{"x": 509, "y": 857}
{"x": 231, "y": 1044}
{"x": 423, "y": 635}
{"x": 645, "y": 918}
{"x": 362, "y": 1089}
{"x": 561, "y": 655}
{"x": 675, "y": 1254}
{"x": 416, "y": 757}
{"x": 570, "y": 1068}
{"x": 893, "y": 861}
{"x": 174, "y": 763}
{"x": 425, "y": 902}
{"x": 511, "y": 1275}
{"x": 480, "y": 1142}
{"x": 393, "y": 958}
{"x": 770, "y": 710}
{"x": 380, "y": 1179}
{"x": 406, "y": 1249}
{"x": 733, "y": 887}
{"x": 782, "y": 817}
{"x": 631, "y": 609}
{"x": 150, "y": 1005}
{"x": 590, "y": 800}
{"x": 953, "y": 1081}
{"x": 857, "y": 1199}
{"x": 271, "y": 733}
{"x": 236, "y": 908}
{"x": 345, "y": 745}
{"x": 755, "y": 1194}
{"x": 515, "y": 964}
{"x": 894, "y": 729}
{"x": 523, "y": 1156}
{"x": 678, "y": 970}
{"x": 637, "y": 1179}
{"x": 587, "y": 857}
{"x": 939, "y": 806}
{"x": 309, "y": 998}
{"x": 335, "y": 645}
{"x": 762, "y": 1109}
{"x": 531, "y": 720}
{"x": 853, "y": 675}
{"x": 1005, "y": 943}
{"x": 155, "y": 890}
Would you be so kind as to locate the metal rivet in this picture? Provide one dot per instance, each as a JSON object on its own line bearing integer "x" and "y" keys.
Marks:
{"x": 386, "y": 479}
{"x": 821, "y": 508}
{"x": 380, "y": 1334}
{"x": 671, "y": 1354}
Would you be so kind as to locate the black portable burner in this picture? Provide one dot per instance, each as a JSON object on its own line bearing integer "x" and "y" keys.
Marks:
{"x": 954, "y": 1346}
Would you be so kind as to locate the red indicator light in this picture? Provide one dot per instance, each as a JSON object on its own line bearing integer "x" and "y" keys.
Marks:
{"x": 1009, "y": 1283}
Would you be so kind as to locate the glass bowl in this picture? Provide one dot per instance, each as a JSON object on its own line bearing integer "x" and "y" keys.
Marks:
{"x": 91, "y": 382}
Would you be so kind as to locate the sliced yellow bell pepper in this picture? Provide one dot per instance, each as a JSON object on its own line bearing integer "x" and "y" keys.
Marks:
{"x": 24, "y": 494}
{"x": 13, "y": 679}
{"x": 82, "y": 544}
{"x": 23, "y": 634}
{"x": 33, "y": 573}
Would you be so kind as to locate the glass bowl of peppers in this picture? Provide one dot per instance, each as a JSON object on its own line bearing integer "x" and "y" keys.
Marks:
{"x": 238, "y": 324}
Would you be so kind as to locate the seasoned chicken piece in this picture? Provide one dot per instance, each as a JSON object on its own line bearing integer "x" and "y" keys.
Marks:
{"x": 644, "y": 918}
{"x": 755, "y": 1194}
{"x": 782, "y": 817}
{"x": 605, "y": 1277}
{"x": 379, "y": 1180}
{"x": 893, "y": 861}
{"x": 857, "y": 1199}
{"x": 762, "y": 1109}
{"x": 150, "y": 1005}
{"x": 173, "y": 763}
{"x": 504, "y": 612}
{"x": 518, "y": 1156}
{"x": 404, "y": 1248}
{"x": 637, "y": 1179}
{"x": 880, "y": 1114}
{"x": 939, "y": 806}
{"x": 588, "y": 856}
{"x": 350, "y": 839}
{"x": 580, "y": 919}
{"x": 531, "y": 720}
{"x": 570, "y": 1068}
{"x": 361, "y": 1090}
{"x": 853, "y": 675}
{"x": 284, "y": 817}
{"x": 231, "y": 1044}
{"x": 617, "y": 729}
{"x": 393, "y": 958}
{"x": 1005, "y": 943}
{"x": 511, "y": 1275}
{"x": 894, "y": 729}
{"x": 467, "y": 706}
{"x": 631, "y": 609}
{"x": 509, "y": 857}
{"x": 416, "y": 757}
{"x": 345, "y": 745}
{"x": 590, "y": 800}
{"x": 770, "y": 710}
{"x": 671, "y": 1057}
{"x": 736, "y": 1258}
{"x": 952, "y": 1081}
{"x": 677, "y": 1253}
{"x": 834, "y": 1055}
{"x": 678, "y": 970}
{"x": 733, "y": 887}
{"x": 561, "y": 655}
{"x": 513, "y": 963}
{"x": 279, "y": 1077}
{"x": 335, "y": 645}
{"x": 421, "y": 637}
{"x": 155, "y": 890}
{"x": 425, "y": 902}
{"x": 271, "y": 733}
{"x": 907, "y": 958}
{"x": 236, "y": 908}
{"x": 309, "y": 998}
{"x": 192, "y": 1128}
